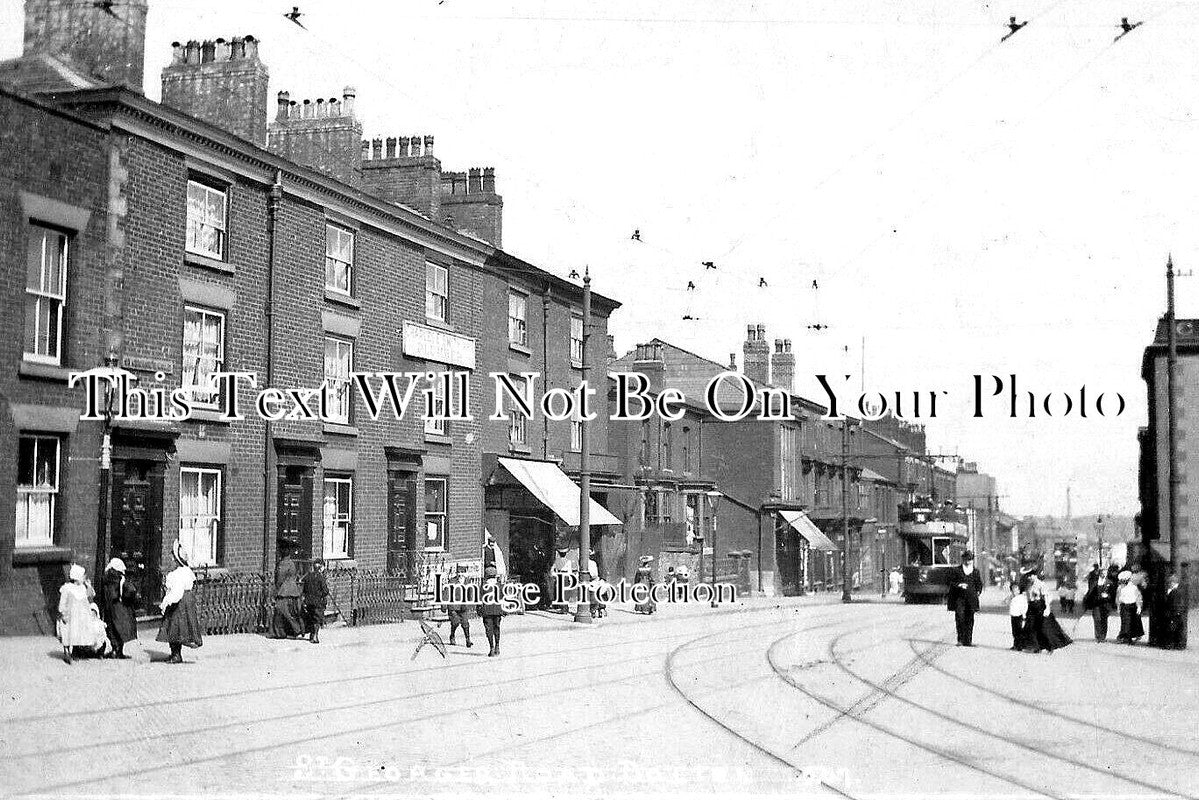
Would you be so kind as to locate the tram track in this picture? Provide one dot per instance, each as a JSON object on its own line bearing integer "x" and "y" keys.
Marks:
{"x": 912, "y": 644}
{"x": 1037, "y": 750}
{"x": 847, "y": 712}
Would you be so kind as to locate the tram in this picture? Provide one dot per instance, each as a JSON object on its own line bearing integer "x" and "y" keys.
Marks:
{"x": 933, "y": 545}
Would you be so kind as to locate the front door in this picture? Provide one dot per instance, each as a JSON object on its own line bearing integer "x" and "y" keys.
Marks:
{"x": 137, "y": 525}
{"x": 401, "y": 505}
{"x": 294, "y": 529}
{"x": 790, "y": 555}
{"x": 531, "y": 552}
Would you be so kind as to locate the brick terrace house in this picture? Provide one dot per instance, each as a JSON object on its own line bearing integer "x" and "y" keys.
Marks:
{"x": 185, "y": 238}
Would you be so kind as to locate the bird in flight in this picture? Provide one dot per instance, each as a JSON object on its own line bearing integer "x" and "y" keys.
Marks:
{"x": 1013, "y": 27}
{"x": 574, "y": 275}
{"x": 762, "y": 282}
{"x": 294, "y": 15}
{"x": 1127, "y": 27}
{"x": 105, "y": 6}
{"x": 815, "y": 285}
{"x": 690, "y": 286}
{"x": 636, "y": 237}
{"x": 818, "y": 327}
{"x": 689, "y": 318}
{"x": 708, "y": 264}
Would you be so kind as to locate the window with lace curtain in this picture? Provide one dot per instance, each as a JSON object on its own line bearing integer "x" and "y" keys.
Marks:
{"x": 200, "y": 513}
{"x": 206, "y": 220}
{"x": 37, "y": 490}
{"x": 203, "y": 354}
{"x": 339, "y": 362}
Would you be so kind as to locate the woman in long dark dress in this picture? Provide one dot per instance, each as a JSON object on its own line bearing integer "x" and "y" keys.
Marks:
{"x": 285, "y": 621}
{"x": 645, "y": 576}
{"x": 1041, "y": 629}
{"x": 118, "y": 604}
{"x": 180, "y": 619}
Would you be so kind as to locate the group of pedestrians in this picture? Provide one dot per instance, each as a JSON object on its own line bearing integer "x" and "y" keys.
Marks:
{"x": 102, "y": 629}
{"x": 1123, "y": 591}
{"x": 300, "y": 603}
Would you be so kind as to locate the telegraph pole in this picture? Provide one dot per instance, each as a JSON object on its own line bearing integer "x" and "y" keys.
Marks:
{"x": 583, "y": 612}
{"x": 846, "y": 583}
{"x": 1171, "y": 417}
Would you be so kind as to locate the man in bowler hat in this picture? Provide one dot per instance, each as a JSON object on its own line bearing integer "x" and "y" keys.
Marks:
{"x": 965, "y": 585}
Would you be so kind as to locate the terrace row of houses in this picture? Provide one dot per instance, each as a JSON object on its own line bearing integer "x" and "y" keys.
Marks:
{"x": 179, "y": 239}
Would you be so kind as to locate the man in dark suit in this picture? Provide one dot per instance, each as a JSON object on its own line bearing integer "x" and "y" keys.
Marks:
{"x": 965, "y": 585}
{"x": 1175, "y": 613}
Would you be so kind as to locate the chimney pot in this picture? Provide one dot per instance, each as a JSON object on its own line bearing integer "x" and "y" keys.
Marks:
{"x": 176, "y": 53}
{"x": 377, "y": 148}
{"x": 237, "y": 48}
{"x": 391, "y": 147}
{"x": 474, "y": 180}
{"x": 732, "y": 361}
{"x": 414, "y": 143}
{"x": 284, "y": 101}
{"x": 403, "y": 145}
{"x": 207, "y": 52}
{"x": 319, "y": 109}
{"x": 489, "y": 179}
{"x": 192, "y": 52}
{"x": 428, "y": 145}
{"x": 778, "y": 345}
{"x": 366, "y": 150}
{"x": 251, "y": 47}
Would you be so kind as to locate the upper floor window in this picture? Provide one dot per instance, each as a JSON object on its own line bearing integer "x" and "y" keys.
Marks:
{"x": 37, "y": 489}
{"x": 206, "y": 220}
{"x": 45, "y": 294}
{"x": 643, "y": 453}
{"x": 338, "y": 517}
{"x": 339, "y": 363}
{"x": 576, "y": 340}
{"x": 667, "y": 446}
{"x": 518, "y": 327}
{"x": 437, "y": 291}
{"x": 518, "y": 426}
{"x": 200, "y": 513}
{"x": 686, "y": 449}
{"x": 435, "y": 422}
{"x": 339, "y": 259}
{"x": 203, "y": 353}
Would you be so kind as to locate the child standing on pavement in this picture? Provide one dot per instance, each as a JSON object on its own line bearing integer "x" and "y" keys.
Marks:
{"x": 1017, "y": 609}
{"x": 314, "y": 589}
{"x": 491, "y": 608}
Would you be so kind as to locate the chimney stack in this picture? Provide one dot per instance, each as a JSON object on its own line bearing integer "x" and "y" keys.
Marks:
{"x": 109, "y": 47}
{"x": 323, "y": 134}
{"x": 222, "y": 83}
{"x": 756, "y": 354}
{"x": 782, "y": 365}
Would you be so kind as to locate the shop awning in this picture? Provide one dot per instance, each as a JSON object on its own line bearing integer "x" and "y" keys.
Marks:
{"x": 808, "y": 530}
{"x": 549, "y": 484}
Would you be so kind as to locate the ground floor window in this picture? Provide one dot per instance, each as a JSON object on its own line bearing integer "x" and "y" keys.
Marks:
{"x": 435, "y": 510}
{"x": 37, "y": 489}
{"x": 338, "y": 515}
{"x": 200, "y": 513}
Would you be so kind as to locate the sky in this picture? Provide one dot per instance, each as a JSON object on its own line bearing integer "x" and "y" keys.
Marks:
{"x": 964, "y": 205}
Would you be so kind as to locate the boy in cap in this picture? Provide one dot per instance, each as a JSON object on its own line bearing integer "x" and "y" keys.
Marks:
{"x": 457, "y": 611}
{"x": 314, "y": 589}
{"x": 491, "y": 608}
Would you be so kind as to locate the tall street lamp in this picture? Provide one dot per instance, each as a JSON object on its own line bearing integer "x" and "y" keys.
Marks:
{"x": 713, "y": 499}
{"x": 1099, "y": 525}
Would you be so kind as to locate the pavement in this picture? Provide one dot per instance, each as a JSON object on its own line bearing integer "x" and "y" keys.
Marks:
{"x": 796, "y": 696}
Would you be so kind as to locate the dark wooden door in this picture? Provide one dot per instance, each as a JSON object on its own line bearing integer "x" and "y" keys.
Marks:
{"x": 401, "y": 523}
{"x": 137, "y": 527}
{"x": 294, "y": 525}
